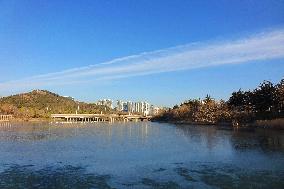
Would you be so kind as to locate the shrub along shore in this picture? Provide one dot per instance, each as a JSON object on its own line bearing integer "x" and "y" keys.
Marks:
{"x": 261, "y": 107}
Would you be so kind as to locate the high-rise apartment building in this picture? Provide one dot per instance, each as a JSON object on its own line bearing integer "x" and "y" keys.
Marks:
{"x": 134, "y": 107}
{"x": 119, "y": 105}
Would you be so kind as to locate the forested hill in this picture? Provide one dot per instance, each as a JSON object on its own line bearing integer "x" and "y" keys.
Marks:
{"x": 42, "y": 103}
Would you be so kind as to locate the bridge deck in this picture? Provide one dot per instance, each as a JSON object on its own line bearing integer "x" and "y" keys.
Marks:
{"x": 99, "y": 117}
{"x": 5, "y": 117}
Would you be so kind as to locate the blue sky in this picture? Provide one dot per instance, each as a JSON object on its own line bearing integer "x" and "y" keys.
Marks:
{"x": 38, "y": 39}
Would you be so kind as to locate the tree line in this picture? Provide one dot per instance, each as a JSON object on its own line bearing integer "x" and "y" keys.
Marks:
{"x": 266, "y": 102}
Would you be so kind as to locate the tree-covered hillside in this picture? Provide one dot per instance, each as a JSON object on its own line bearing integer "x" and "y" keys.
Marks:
{"x": 42, "y": 103}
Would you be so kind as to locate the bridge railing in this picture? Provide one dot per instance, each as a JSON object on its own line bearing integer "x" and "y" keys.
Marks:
{"x": 5, "y": 117}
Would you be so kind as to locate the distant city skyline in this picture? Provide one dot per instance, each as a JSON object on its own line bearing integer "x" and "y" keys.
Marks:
{"x": 139, "y": 107}
{"x": 163, "y": 52}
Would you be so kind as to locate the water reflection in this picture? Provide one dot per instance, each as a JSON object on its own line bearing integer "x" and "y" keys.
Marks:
{"x": 206, "y": 136}
{"x": 5, "y": 125}
{"x": 213, "y": 137}
{"x": 258, "y": 139}
{"x": 23, "y": 131}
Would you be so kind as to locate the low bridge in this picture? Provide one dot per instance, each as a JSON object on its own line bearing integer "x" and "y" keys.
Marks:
{"x": 99, "y": 117}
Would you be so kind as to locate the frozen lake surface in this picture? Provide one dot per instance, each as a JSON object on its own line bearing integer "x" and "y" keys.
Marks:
{"x": 138, "y": 155}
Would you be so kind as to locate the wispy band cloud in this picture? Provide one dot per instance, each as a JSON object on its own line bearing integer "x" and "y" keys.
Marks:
{"x": 261, "y": 46}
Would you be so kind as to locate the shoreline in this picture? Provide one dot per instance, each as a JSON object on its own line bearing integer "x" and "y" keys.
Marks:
{"x": 275, "y": 124}
{"x": 30, "y": 119}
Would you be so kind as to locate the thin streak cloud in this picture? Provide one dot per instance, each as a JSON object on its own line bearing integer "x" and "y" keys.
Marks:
{"x": 257, "y": 47}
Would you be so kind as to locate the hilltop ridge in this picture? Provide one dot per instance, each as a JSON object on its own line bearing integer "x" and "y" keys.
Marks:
{"x": 42, "y": 103}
